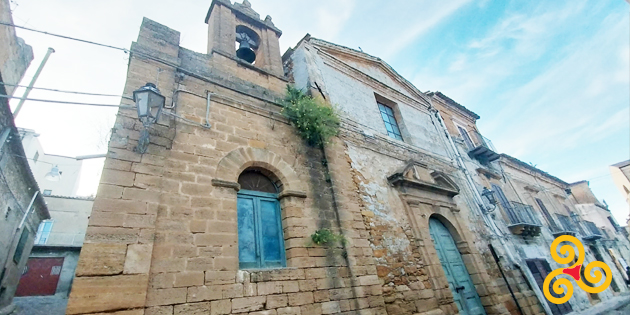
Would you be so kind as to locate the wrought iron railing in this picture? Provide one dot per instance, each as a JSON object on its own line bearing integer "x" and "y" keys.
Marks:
{"x": 566, "y": 226}
{"x": 482, "y": 141}
{"x": 520, "y": 213}
{"x": 591, "y": 231}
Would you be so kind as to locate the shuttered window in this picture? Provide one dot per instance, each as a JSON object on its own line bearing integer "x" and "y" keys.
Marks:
{"x": 260, "y": 238}
{"x": 550, "y": 219}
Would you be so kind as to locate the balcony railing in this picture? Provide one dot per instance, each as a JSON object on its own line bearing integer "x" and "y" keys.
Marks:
{"x": 482, "y": 149}
{"x": 591, "y": 232}
{"x": 523, "y": 219}
{"x": 566, "y": 226}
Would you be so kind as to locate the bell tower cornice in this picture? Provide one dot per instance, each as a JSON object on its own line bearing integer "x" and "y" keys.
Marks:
{"x": 245, "y": 12}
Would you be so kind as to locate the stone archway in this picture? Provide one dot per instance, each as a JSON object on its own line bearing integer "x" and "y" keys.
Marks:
{"x": 235, "y": 162}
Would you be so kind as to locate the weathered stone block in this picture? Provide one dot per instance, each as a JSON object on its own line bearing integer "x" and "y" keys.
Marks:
{"x": 202, "y": 308}
{"x": 95, "y": 294}
{"x": 166, "y": 296}
{"x": 98, "y": 259}
{"x": 249, "y": 304}
{"x": 138, "y": 259}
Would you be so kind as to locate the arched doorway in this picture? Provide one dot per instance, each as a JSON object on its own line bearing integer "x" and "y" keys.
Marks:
{"x": 459, "y": 281}
{"x": 260, "y": 238}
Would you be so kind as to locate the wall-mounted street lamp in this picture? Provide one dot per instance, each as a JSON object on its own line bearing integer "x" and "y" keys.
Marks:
{"x": 149, "y": 103}
{"x": 489, "y": 195}
{"x": 54, "y": 175}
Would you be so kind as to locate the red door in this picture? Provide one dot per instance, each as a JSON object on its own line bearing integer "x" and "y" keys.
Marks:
{"x": 40, "y": 277}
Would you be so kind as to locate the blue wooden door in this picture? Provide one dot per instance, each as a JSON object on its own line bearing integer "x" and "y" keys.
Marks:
{"x": 260, "y": 239}
{"x": 464, "y": 292}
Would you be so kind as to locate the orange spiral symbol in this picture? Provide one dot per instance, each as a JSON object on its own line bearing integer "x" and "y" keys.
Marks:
{"x": 568, "y": 254}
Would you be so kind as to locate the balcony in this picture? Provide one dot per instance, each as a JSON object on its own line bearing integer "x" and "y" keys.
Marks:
{"x": 482, "y": 149}
{"x": 523, "y": 220}
{"x": 591, "y": 232}
{"x": 566, "y": 227}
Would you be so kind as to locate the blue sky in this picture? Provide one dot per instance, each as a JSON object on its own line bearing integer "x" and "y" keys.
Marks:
{"x": 550, "y": 79}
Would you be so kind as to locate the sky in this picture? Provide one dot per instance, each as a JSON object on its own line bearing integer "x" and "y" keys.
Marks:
{"x": 550, "y": 79}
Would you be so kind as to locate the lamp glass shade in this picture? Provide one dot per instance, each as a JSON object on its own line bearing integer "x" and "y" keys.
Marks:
{"x": 54, "y": 175}
{"x": 489, "y": 194}
{"x": 149, "y": 102}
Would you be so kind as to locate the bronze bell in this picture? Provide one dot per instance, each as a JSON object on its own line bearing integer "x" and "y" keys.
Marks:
{"x": 245, "y": 51}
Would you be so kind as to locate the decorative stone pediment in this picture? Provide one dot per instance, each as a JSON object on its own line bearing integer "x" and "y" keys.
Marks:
{"x": 417, "y": 175}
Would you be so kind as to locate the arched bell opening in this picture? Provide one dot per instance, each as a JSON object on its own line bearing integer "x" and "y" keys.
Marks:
{"x": 247, "y": 43}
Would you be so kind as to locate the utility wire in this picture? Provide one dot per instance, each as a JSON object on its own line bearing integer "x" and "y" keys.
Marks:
{"x": 64, "y": 91}
{"x": 66, "y": 37}
{"x": 64, "y": 102}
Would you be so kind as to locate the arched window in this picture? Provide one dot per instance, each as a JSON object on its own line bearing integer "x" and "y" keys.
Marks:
{"x": 260, "y": 239}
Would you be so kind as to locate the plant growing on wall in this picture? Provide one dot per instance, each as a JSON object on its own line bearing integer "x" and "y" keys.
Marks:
{"x": 326, "y": 237}
{"x": 316, "y": 122}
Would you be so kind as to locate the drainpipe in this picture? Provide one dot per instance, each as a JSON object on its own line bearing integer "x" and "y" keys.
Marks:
{"x": 30, "y": 86}
{"x": 207, "y": 124}
{"x": 496, "y": 260}
{"x": 17, "y": 231}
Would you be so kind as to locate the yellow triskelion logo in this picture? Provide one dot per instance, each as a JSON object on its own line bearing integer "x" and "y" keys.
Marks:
{"x": 574, "y": 271}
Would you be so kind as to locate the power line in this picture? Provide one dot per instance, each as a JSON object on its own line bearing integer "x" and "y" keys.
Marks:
{"x": 64, "y": 102}
{"x": 66, "y": 37}
{"x": 65, "y": 91}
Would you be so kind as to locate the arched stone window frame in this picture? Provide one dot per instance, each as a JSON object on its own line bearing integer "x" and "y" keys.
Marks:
{"x": 292, "y": 191}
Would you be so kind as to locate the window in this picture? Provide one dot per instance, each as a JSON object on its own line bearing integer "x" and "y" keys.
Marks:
{"x": 390, "y": 121}
{"x": 19, "y": 250}
{"x": 260, "y": 238}
{"x": 6, "y": 214}
{"x": 47, "y": 192}
{"x": 540, "y": 269}
{"x": 43, "y": 232}
{"x": 466, "y": 137}
{"x": 547, "y": 214}
{"x": 36, "y": 157}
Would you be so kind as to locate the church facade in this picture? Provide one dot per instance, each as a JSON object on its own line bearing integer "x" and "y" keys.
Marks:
{"x": 218, "y": 215}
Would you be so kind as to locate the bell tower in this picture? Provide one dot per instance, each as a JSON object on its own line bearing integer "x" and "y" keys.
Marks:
{"x": 237, "y": 32}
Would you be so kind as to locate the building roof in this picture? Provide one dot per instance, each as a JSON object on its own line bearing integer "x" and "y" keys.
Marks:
{"x": 621, "y": 164}
{"x": 532, "y": 168}
{"x": 360, "y": 54}
{"x": 451, "y": 102}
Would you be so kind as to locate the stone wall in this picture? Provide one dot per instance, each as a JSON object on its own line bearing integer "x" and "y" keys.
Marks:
{"x": 162, "y": 238}
{"x": 15, "y": 54}
{"x": 17, "y": 184}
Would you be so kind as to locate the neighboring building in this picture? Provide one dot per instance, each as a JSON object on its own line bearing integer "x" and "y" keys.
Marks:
{"x": 533, "y": 208}
{"x": 15, "y": 55}
{"x": 220, "y": 219}
{"x": 42, "y": 164}
{"x": 53, "y": 261}
{"x": 621, "y": 176}
{"x": 18, "y": 188}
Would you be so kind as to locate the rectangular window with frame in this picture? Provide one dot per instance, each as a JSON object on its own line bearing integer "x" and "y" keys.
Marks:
{"x": 387, "y": 114}
{"x": 43, "y": 232}
{"x": 466, "y": 137}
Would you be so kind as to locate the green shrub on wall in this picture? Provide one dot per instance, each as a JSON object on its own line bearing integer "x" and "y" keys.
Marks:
{"x": 327, "y": 237}
{"x": 315, "y": 121}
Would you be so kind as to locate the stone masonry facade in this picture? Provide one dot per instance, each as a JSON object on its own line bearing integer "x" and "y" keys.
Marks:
{"x": 163, "y": 235}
